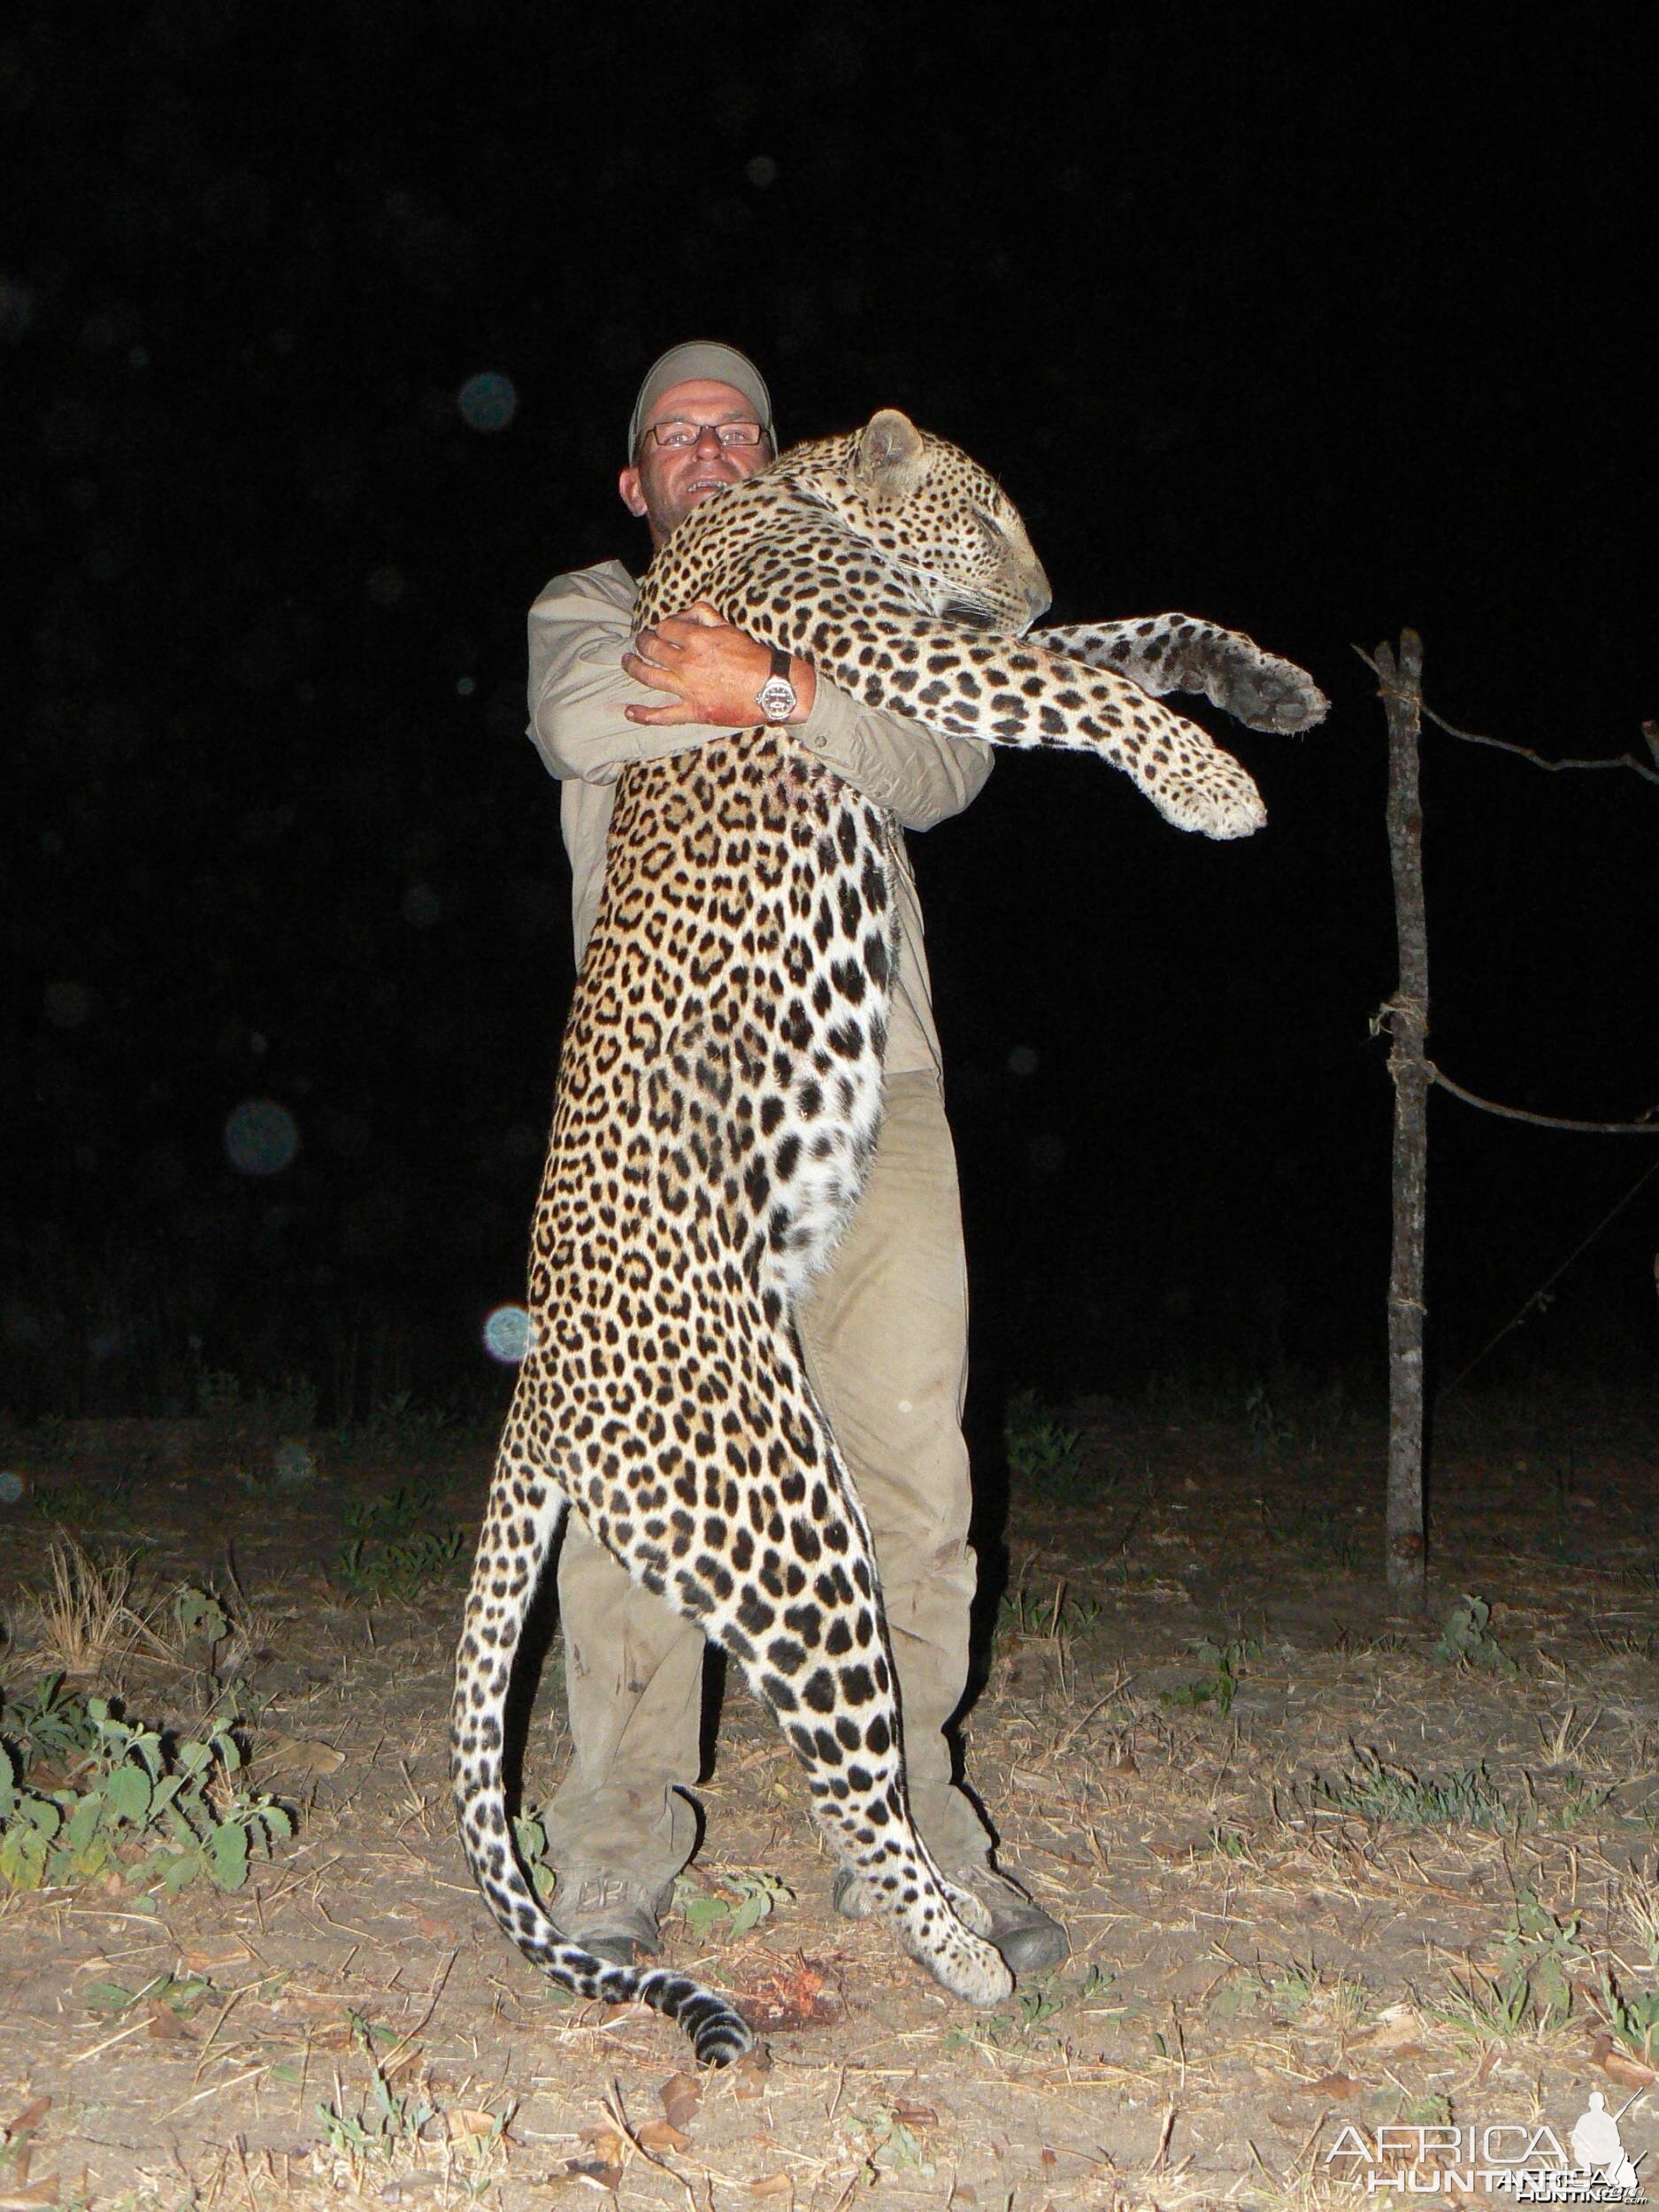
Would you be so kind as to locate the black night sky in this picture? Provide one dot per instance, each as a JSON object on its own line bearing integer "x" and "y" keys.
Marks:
{"x": 1316, "y": 338}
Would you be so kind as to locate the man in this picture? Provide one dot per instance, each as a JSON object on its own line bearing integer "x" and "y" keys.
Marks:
{"x": 884, "y": 1331}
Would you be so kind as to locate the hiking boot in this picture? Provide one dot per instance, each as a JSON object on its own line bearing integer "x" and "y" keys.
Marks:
{"x": 611, "y": 1914}
{"x": 1030, "y": 1940}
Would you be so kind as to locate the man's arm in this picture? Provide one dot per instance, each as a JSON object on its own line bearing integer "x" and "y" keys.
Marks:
{"x": 592, "y": 712}
{"x": 580, "y": 628}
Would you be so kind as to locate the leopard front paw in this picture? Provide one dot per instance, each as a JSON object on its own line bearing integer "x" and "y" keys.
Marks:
{"x": 1263, "y": 691}
{"x": 1212, "y": 795}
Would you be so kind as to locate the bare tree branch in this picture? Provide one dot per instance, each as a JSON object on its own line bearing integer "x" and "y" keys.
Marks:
{"x": 1646, "y": 1127}
{"x": 1649, "y": 729}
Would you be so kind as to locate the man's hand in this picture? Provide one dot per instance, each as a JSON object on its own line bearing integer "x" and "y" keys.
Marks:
{"x": 712, "y": 671}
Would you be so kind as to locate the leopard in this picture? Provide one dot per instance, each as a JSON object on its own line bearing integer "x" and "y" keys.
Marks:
{"x": 717, "y": 1106}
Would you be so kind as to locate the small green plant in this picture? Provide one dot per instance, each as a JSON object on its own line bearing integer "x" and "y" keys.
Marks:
{"x": 78, "y": 1504}
{"x": 1546, "y": 1950}
{"x": 181, "y": 1994}
{"x": 1033, "y": 2010}
{"x": 1227, "y": 1664}
{"x": 1228, "y": 1843}
{"x": 887, "y": 2145}
{"x": 1490, "y": 2010}
{"x": 389, "y": 1552}
{"x": 740, "y": 1902}
{"x": 1097, "y": 1989}
{"x": 50, "y": 1727}
{"x": 1466, "y": 1640}
{"x": 1270, "y": 1432}
{"x": 1375, "y": 1791}
{"x": 1023, "y": 1613}
{"x": 148, "y": 1806}
{"x": 1314, "y": 1529}
{"x": 1290, "y": 1989}
{"x": 1043, "y": 1452}
{"x": 1432, "y": 2109}
{"x": 1633, "y": 2016}
{"x": 1036, "y": 2008}
{"x": 199, "y": 1613}
{"x": 291, "y": 1410}
{"x": 400, "y": 1421}
{"x": 386, "y": 2121}
{"x": 529, "y": 1830}
{"x": 1579, "y": 1800}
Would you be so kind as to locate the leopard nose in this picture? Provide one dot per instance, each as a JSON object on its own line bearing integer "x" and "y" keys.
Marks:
{"x": 1038, "y": 598}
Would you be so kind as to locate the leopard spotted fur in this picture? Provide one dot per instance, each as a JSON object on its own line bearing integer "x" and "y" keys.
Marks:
{"x": 718, "y": 1099}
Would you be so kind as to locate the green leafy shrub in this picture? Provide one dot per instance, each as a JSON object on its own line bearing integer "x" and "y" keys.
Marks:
{"x": 389, "y": 1552}
{"x": 148, "y": 1806}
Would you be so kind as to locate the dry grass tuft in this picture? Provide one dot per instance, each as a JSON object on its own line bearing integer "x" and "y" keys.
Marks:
{"x": 93, "y": 1616}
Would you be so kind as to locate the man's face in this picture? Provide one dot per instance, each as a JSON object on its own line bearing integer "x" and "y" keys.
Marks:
{"x": 666, "y": 482}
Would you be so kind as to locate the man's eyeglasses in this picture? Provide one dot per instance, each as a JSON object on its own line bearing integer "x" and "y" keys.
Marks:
{"x": 684, "y": 434}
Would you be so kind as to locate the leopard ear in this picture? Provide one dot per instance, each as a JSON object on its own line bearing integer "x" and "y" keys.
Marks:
{"x": 892, "y": 454}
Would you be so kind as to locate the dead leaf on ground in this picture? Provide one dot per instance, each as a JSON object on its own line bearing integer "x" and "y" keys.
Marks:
{"x": 205, "y": 1958}
{"x": 469, "y": 2127}
{"x": 681, "y": 2095}
{"x": 661, "y": 2135}
{"x": 594, "y": 2172}
{"x": 38, "y": 2193}
{"x": 1619, "y": 2066}
{"x": 164, "y": 2024}
{"x": 771, "y": 2185}
{"x": 748, "y": 2077}
{"x": 1335, "y": 2086}
{"x": 27, "y": 2122}
{"x": 603, "y": 2165}
{"x": 915, "y": 2116}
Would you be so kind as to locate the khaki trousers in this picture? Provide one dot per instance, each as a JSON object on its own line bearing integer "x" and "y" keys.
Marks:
{"x": 884, "y": 1331}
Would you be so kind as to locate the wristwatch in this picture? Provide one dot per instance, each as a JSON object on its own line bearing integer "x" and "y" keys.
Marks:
{"x": 776, "y": 697}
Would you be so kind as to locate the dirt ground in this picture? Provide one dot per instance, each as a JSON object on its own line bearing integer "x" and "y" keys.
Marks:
{"x": 1326, "y": 1872}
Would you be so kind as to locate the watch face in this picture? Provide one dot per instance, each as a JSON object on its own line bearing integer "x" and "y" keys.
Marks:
{"x": 776, "y": 698}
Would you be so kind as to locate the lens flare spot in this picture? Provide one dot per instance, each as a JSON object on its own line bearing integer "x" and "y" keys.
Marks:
{"x": 261, "y": 1137}
{"x": 488, "y": 402}
{"x": 507, "y": 1334}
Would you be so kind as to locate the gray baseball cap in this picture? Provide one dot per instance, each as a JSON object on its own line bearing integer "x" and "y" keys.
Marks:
{"x": 702, "y": 359}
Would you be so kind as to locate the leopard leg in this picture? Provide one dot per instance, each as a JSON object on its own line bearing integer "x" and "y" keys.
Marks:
{"x": 1176, "y": 652}
{"x": 811, "y": 1637}
{"x": 746, "y": 1524}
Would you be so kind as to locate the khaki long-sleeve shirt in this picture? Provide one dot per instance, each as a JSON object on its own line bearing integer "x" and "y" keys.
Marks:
{"x": 581, "y": 627}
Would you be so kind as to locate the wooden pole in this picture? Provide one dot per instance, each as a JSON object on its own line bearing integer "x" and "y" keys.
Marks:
{"x": 1407, "y": 1018}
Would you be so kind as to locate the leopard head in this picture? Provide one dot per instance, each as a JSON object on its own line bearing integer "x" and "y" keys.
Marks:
{"x": 934, "y": 515}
